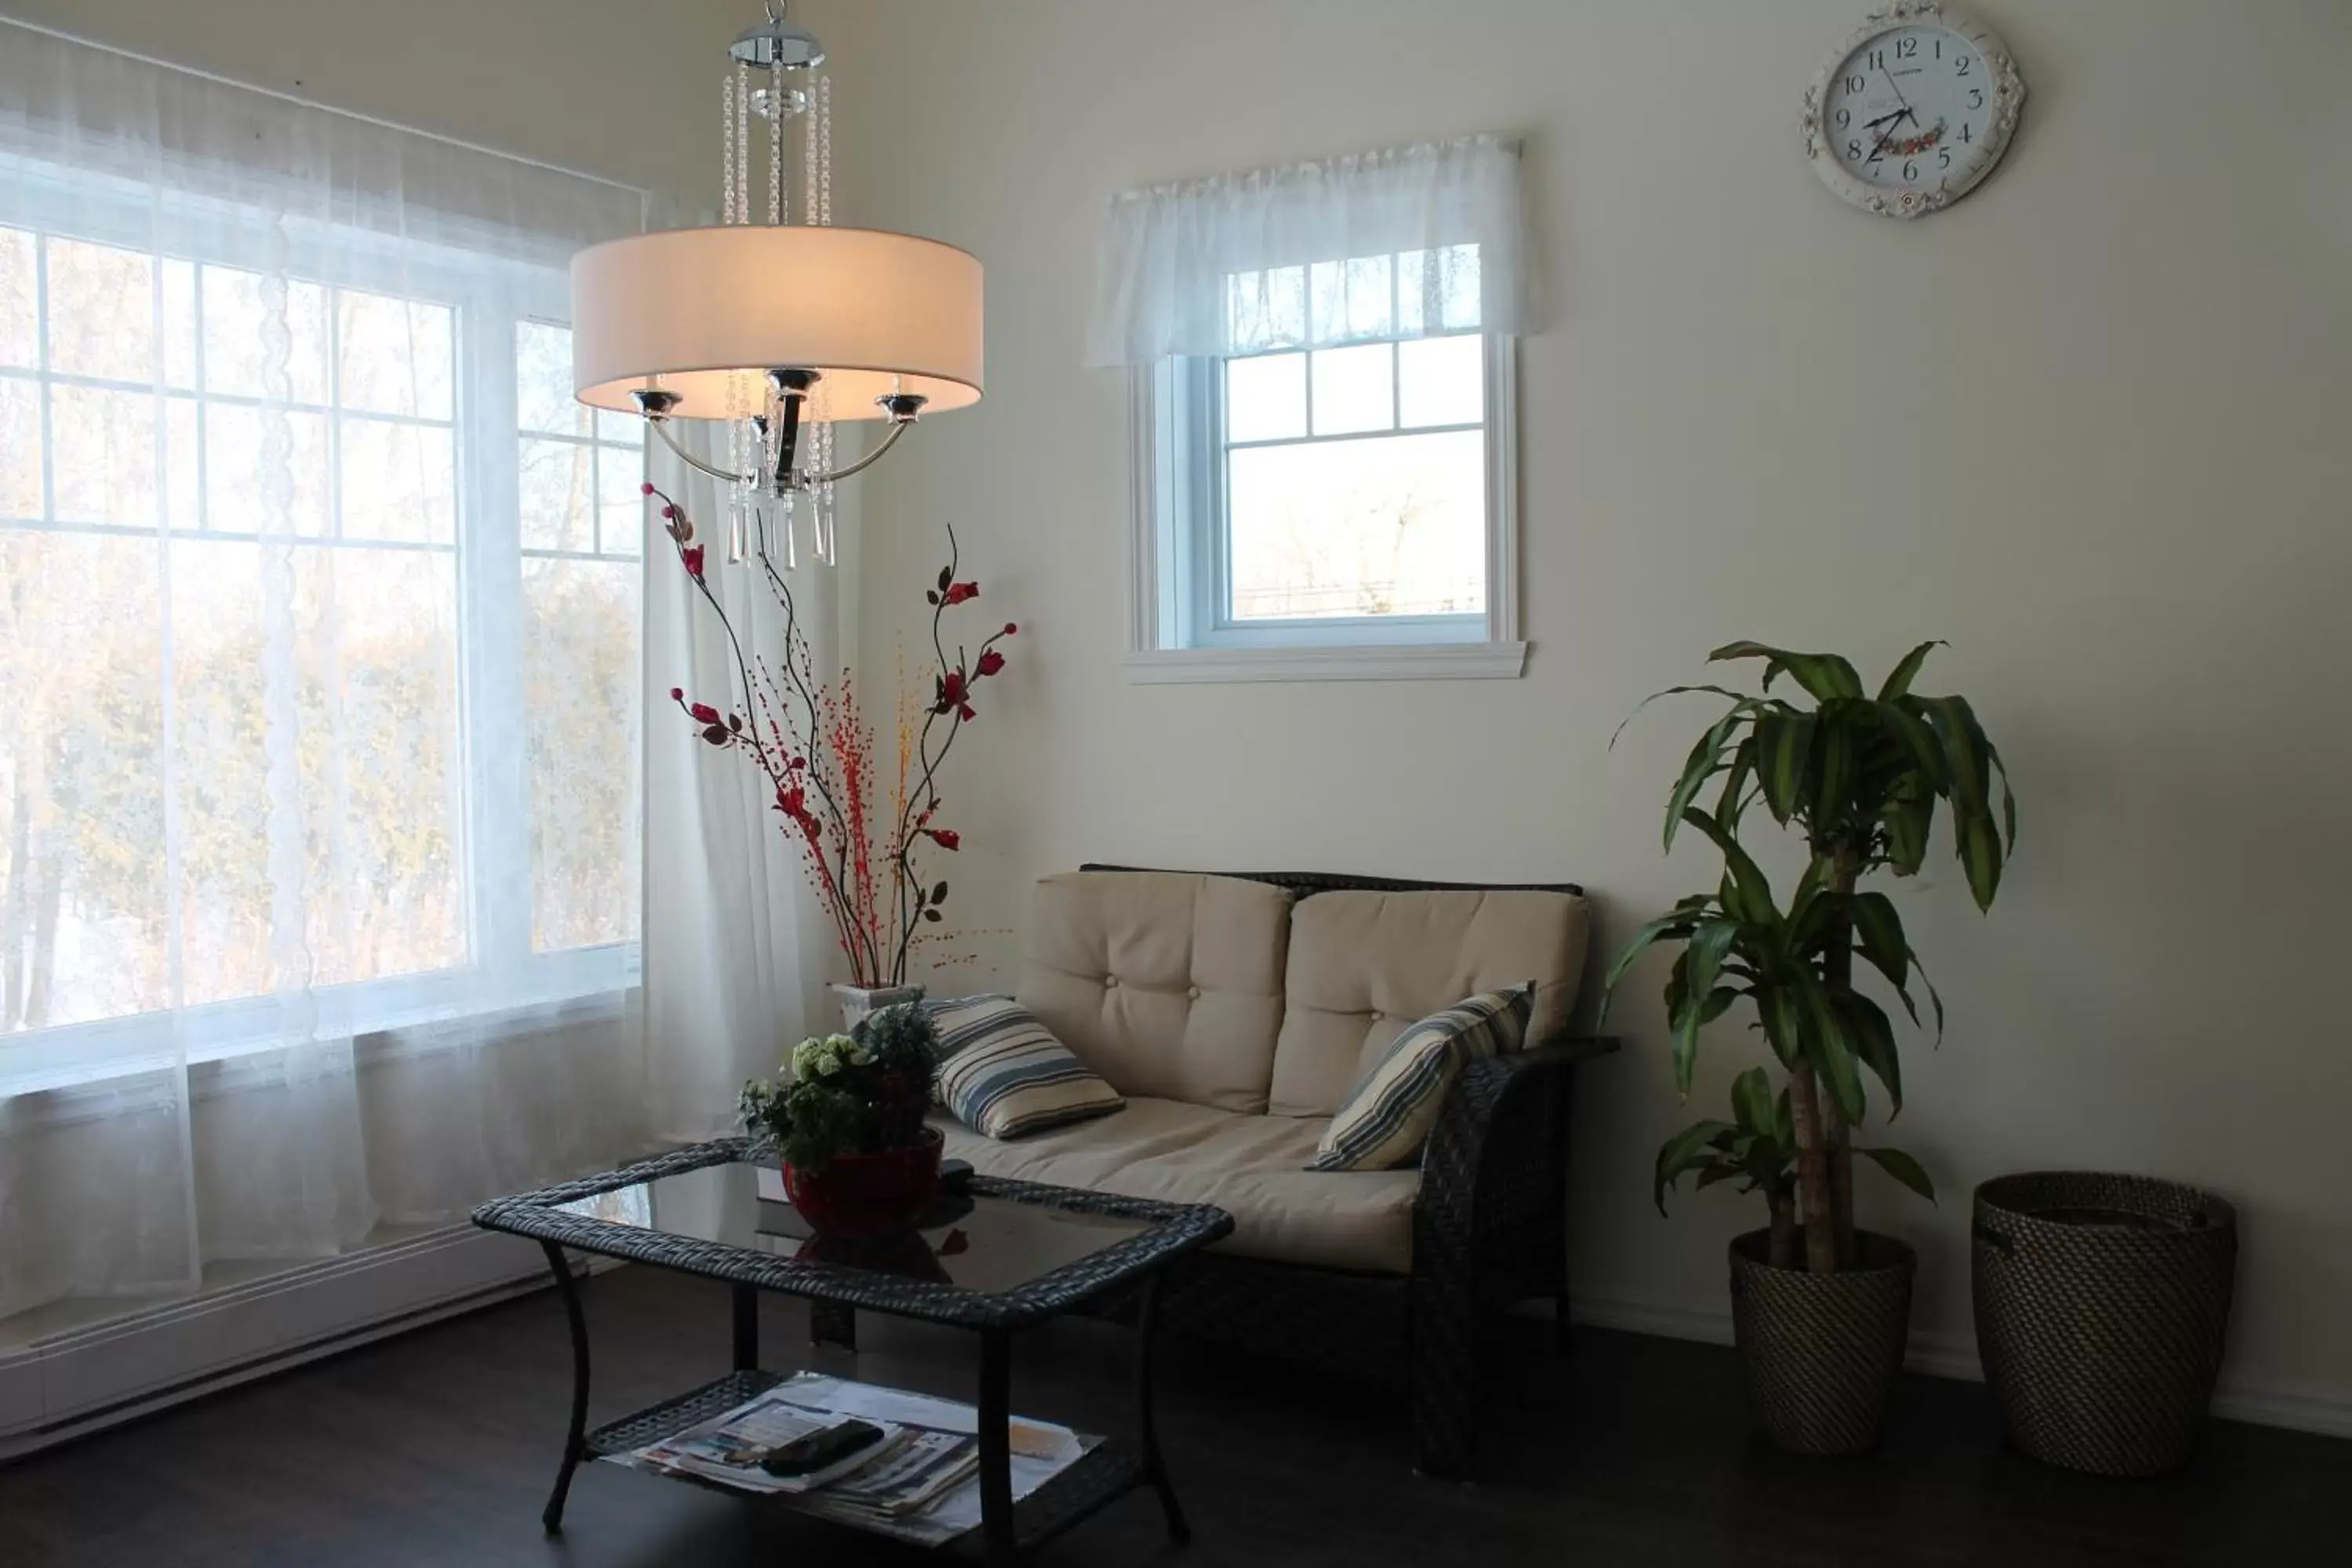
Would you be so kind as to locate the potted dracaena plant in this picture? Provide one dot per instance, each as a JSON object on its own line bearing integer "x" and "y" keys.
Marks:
{"x": 1821, "y": 1309}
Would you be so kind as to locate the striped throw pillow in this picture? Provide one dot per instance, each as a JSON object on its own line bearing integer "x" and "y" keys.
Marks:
{"x": 1003, "y": 1074}
{"x": 1389, "y": 1114}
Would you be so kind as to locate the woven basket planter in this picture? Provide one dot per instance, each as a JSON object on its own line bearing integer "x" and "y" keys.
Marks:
{"x": 2101, "y": 1304}
{"x": 1820, "y": 1352}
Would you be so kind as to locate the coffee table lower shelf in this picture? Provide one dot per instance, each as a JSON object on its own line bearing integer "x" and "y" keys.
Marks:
{"x": 1110, "y": 1471}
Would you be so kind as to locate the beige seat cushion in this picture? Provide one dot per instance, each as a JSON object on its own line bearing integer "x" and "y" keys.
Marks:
{"x": 1365, "y": 966}
{"x": 1250, "y": 1166}
{"x": 1169, "y": 985}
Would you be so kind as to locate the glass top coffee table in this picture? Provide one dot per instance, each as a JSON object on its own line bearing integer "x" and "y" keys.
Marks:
{"x": 994, "y": 1257}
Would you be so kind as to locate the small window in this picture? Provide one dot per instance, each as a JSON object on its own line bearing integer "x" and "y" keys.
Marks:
{"x": 1336, "y": 500}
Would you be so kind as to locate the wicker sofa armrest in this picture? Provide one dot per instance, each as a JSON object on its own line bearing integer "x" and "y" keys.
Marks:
{"x": 1493, "y": 1182}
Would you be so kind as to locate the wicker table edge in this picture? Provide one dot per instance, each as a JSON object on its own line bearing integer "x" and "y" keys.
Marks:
{"x": 1177, "y": 1229}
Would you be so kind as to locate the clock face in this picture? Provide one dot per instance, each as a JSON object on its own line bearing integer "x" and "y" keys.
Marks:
{"x": 1914, "y": 110}
{"x": 1909, "y": 110}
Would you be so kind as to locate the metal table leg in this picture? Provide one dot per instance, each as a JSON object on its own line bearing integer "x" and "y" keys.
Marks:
{"x": 997, "y": 1535}
{"x": 747, "y": 1329}
{"x": 575, "y": 1443}
{"x": 1147, "y": 1436}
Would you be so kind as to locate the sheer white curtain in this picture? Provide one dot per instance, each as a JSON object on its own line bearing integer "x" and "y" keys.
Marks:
{"x": 736, "y": 948}
{"x": 1373, "y": 246}
{"x": 318, "y": 615}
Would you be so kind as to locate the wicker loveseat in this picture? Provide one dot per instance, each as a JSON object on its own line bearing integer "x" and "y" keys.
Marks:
{"x": 1235, "y": 1012}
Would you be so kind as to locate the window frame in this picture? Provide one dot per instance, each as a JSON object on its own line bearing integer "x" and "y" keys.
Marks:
{"x": 489, "y": 296}
{"x": 1180, "y": 534}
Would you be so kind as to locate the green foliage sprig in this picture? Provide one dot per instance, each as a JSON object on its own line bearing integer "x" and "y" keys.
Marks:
{"x": 847, "y": 1094}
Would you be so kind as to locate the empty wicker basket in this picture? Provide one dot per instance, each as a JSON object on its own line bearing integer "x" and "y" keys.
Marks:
{"x": 2101, "y": 1305}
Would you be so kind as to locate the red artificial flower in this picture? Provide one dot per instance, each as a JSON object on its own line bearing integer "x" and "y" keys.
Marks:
{"x": 1010, "y": 628}
{"x": 945, "y": 838}
{"x": 704, "y": 714}
{"x": 990, "y": 663}
{"x": 959, "y": 592}
{"x": 693, "y": 554}
{"x": 955, "y": 695}
{"x": 678, "y": 694}
{"x": 646, "y": 488}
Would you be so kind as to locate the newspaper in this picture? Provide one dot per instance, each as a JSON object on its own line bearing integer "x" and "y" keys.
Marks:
{"x": 919, "y": 1484}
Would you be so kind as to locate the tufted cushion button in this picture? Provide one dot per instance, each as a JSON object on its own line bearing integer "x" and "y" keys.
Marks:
{"x": 1109, "y": 980}
{"x": 1194, "y": 992}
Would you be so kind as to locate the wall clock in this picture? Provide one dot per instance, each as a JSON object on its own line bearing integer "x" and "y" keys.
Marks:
{"x": 1914, "y": 109}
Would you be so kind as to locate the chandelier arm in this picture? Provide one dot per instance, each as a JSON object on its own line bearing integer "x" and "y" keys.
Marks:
{"x": 898, "y": 429}
{"x": 661, "y": 428}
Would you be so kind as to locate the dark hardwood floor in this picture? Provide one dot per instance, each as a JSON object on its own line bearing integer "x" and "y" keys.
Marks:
{"x": 437, "y": 1448}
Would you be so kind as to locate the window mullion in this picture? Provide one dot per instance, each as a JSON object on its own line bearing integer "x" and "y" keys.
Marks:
{"x": 493, "y": 717}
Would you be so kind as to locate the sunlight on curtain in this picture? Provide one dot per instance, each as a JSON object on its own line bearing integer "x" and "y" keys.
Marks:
{"x": 319, "y": 613}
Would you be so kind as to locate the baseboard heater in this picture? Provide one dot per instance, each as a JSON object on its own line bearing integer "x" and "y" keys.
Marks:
{"x": 83, "y": 1380}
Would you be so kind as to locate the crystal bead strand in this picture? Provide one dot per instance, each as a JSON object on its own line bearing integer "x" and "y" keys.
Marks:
{"x": 821, "y": 90}
{"x": 776, "y": 140}
{"x": 743, "y": 143}
{"x": 808, "y": 153}
{"x": 825, "y": 150}
{"x": 727, "y": 137}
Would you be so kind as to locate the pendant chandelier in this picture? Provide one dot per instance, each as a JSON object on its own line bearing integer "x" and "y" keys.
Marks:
{"x": 773, "y": 322}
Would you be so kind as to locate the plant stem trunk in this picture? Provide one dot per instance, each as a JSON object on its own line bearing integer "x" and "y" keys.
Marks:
{"x": 1783, "y": 1253}
{"x": 1813, "y": 1173}
{"x": 1839, "y": 963}
{"x": 1840, "y": 1150}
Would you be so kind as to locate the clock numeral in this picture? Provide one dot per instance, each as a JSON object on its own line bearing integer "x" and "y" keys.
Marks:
{"x": 1878, "y": 59}
{"x": 1853, "y": 150}
{"x": 1968, "y": 131}
{"x": 1910, "y": 170}
{"x": 1975, "y": 98}
{"x": 1844, "y": 118}
{"x": 1905, "y": 48}
{"x": 1961, "y": 68}
{"x": 1939, "y": 48}
{"x": 1945, "y": 154}
{"x": 1855, "y": 84}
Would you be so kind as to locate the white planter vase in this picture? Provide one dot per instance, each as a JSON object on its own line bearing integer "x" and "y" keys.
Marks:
{"x": 859, "y": 1004}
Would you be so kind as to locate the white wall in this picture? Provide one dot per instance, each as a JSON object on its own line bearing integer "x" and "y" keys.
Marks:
{"x": 2090, "y": 426}
{"x": 615, "y": 87}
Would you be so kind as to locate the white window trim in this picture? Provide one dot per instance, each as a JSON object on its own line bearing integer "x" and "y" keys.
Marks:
{"x": 490, "y": 296}
{"x": 1168, "y": 469}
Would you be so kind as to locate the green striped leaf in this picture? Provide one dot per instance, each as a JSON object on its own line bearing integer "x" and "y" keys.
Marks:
{"x": 1907, "y": 822}
{"x": 1688, "y": 1148}
{"x": 1828, "y": 1047}
{"x": 1898, "y": 684}
{"x": 1738, "y": 780}
{"x": 1882, "y": 942}
{"x": 1706, "y": 760}
{"x": 1965, "y": 750}
{"x": 1903, "y": 1169}
{"x": 1784, "y": 743}
{"x": 1752, "y": 1101}
{"x": 1979, "y": 850}
{"x": 1748, "y": 893}
{"x": 1874, "y": 1042}
{"x": 1833, "y": 762}
{"x": 1783, "y": 1023}
{"x": 1670, "y": 692}
{"x": 1926, "y": 751}
{"x": 1678, "y": 924}
{"x": 1823, "y": 675}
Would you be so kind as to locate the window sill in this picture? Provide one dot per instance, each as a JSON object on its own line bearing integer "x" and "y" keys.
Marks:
{"x": 1400, "y": 661}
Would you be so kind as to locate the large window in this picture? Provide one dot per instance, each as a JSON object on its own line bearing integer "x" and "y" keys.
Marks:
{"x": 326, "y": 537}
{"x": 1354, "y": 494}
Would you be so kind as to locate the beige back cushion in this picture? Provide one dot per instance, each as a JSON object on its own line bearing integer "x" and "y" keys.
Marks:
{"x": 1365, "y": 967}
{"x": 1169, "y": 985}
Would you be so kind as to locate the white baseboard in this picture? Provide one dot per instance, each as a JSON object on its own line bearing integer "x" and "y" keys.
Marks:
{"x": 82, "y": 1380}
{"x": 1953, "y": 1356}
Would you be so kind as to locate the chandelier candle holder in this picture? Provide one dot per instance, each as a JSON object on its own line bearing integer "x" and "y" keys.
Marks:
{"x": 773, "y": 322}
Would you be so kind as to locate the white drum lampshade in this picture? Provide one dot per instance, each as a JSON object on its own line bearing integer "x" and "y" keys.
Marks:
{"x": 705, "y": 313}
